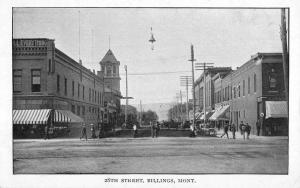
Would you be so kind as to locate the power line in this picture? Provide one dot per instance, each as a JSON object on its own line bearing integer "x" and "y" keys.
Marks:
{"x": 156, "y": 73}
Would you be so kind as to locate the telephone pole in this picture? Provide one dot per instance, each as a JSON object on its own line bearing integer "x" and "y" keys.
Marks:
{"x": 141, "y": 113}
{"x": 284, "y": 54}
{"x": 186, "y": 81}
{"x": 204, "y": 67}
{"x": 126, "y": 96}
{"x": 193, "y": 79}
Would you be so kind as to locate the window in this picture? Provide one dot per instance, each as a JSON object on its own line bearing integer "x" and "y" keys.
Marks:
{"x": 108, "y": 71}
{"x": 254, "y": 81}
{"x": 102, "y": 68}
{"x": 73, "y": 85}
{"x": 66, "y": 86}
{"x": 89, "y": 109}
{"x": 35, "y": 80}
{"x": 239, "y": 90}
{"x": 248, "y": 85}
{"x": 73, "y": 108}
{"x": 78, "y": 90}
{"x": 83, "y": 92}
{"x": 83, "y": 110}
{"x": 89, "y": 94}
{"x": 17, "y": 80}
{"x": 234, "y": 92}
{"x": 58, "y": 83}
{"x": 114, "y": 70}
{"x": 80, "y": 75}
{"x": 49, "y": 65}
{"x": 78, "y": 110}
{"x": 243, "y": 87}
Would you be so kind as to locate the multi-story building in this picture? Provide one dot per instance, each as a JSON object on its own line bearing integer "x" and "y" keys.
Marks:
{"x": 46, "y": 78}
{"x": 254, "y": 93}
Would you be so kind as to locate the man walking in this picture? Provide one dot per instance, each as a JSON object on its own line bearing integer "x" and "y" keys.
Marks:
{"x": 248, "y": 130}
{"x": 243, "y": 129}
{"x": 46, "y": 136}
{"x": 83, "y": 132}
{"x": 134, "y": 131}
{"x": 258, "y": 127}
{"x": 233, "y": 130}
{"x": 225, "y": 131}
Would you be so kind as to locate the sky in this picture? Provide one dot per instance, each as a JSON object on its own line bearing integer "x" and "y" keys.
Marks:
{"x": 225, "y": 37}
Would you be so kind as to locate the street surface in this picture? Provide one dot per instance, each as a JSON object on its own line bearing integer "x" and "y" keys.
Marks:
{"x": 147, "y": 155}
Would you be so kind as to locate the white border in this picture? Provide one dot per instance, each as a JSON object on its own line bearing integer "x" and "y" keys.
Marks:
{"x": 257, "y": 181}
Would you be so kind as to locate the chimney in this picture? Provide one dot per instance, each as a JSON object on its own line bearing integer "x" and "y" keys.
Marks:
{"x": 80, "y": 61}
{"x": 94, "y": 71}
{"x": 237, "y": 68}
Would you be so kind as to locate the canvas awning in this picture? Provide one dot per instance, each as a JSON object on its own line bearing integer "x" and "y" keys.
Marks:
{"x": 208, "y": 114}
{"x": 220, "y": 113}
{"x": 66, "y": 116}
{"x": 34, "y": 116}
{"x": 276, "y": 109}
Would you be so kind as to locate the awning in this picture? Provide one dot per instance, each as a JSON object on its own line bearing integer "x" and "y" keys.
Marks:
{"x": 276, "y": 109}
{"x": 208, "y": 114}
{"x": 66, "y": 116}
{"x": 220, "y": 113}
{"x": 198, "y": 114}
{"x": 35, "y": 116}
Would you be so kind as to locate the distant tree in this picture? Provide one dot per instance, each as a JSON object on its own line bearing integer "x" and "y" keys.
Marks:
{"x": 174, "y": 113}
{"x": 131, "y": 115}
{"x": 148, "y": 116}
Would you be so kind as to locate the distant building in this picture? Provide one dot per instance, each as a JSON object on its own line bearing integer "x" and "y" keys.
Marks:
{"x": 112, "y": 96}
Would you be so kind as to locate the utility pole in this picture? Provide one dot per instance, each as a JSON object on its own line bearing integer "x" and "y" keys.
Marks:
{"x": 285, "y": 54}
{"x": 193, "y": 79}
{"x": 186, "y": 81}
{"x": 204, "y": 67}
{"x": 181, "y": 117}
{"x": 141, "y": 113}
{"x": 126, "y": 97}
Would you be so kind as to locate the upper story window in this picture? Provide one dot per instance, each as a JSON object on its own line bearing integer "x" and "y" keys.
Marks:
{"x": 243, "y": 87}
{"x": 102, "y": 68}
{"x": 248, "y": 85}
{"x": 239, "y": 90}
{"x": 66, "y": 86}
{"x": 83, "y": 92}
{"x": 272, "y": 79}
{"x": 108, "y": 71}
{"x": 36, "y": 80}
{"x": 114, "y": 69}
{"x": 58, "y": 83}
{"x": 234, "y": 92}
{"x": 73, "y": 85}
{"x": 78, "y": 90}
{"x": 254, "y": 81}
{"x": 17, "y": 80}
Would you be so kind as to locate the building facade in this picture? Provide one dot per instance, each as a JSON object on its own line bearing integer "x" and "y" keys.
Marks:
{"x": 46, "y": 78}
{"x": 253, "y": 94}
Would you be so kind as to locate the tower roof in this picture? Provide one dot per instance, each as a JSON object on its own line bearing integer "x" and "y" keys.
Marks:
{"x": 109, "y": 56}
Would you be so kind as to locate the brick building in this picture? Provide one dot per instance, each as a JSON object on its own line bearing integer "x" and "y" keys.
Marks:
{"x": 46, "y": 78}
{"x": 253, "y": 93}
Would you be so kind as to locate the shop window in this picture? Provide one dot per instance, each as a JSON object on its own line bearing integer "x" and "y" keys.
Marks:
{"x": 78, "y": 110}
{"x": 83, "y": 110}
{"x": 73, "y": 109}
{"x": 35, "y": 80}
{"x": 17, "y": 80}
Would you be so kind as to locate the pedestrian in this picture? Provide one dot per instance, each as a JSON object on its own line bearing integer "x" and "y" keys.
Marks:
{"x": 157, "y": 128}
{"x": 46, "y": 136}
{"x": 225, "y": 131}
{"x": 83, "y": 132}
{"x": 153, "y": 129}
{"x": 243, "y": 129}
{"x": 240, "y": 127}
{"x": 248, "y": 130}
{"x": 93, "y": 131}
{"x": 233, "y": 130}
{"x": 192, "y": 134}
{"x": 258, "y": 127}
{"x": 100, "y": 135}
{"x": 134, "y": 127}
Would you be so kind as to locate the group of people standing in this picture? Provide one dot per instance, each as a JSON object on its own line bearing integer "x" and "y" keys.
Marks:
{"x": 245, "y": 130}
{"x": 93, "y": 132}
{"x": 155, "y": 128}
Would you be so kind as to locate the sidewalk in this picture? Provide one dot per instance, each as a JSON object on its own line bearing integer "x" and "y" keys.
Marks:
{"x": 238, "y": 135}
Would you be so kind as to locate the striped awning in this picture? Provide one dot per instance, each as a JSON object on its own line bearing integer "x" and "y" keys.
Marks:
{"x": 66, "y": 116}
{"x": 220, "y": 113}
{"x": 276, "y": 109}
{"x": 35, "y": 116}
